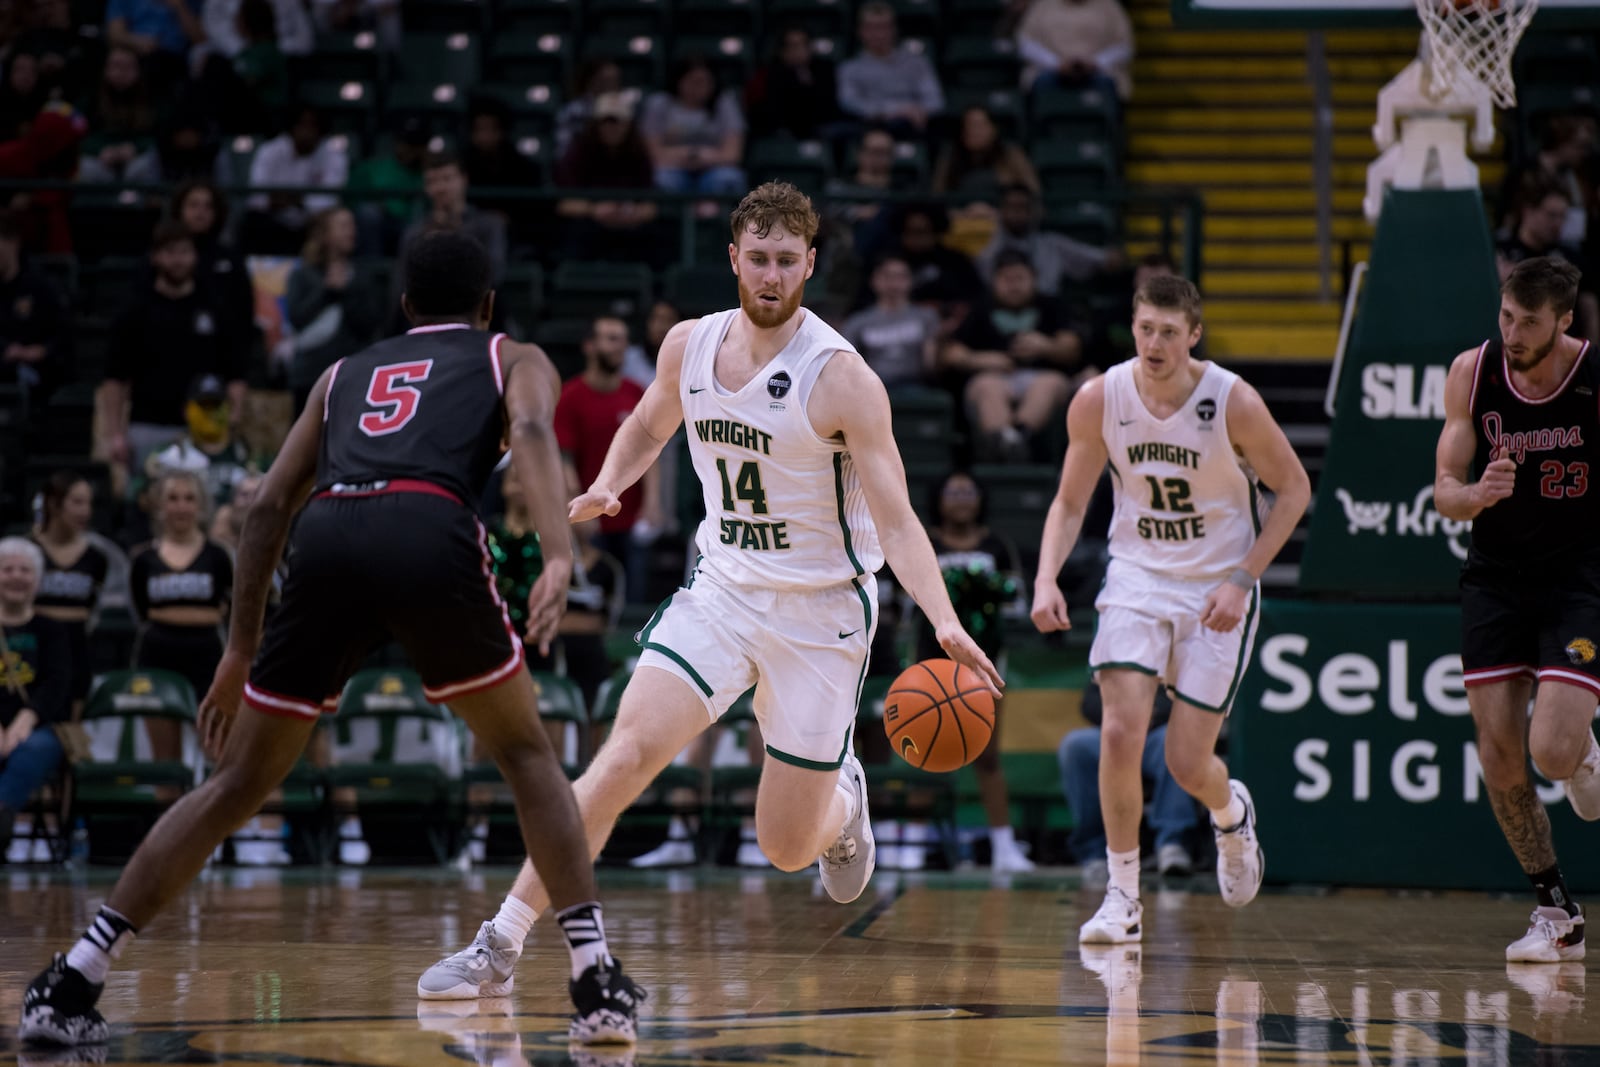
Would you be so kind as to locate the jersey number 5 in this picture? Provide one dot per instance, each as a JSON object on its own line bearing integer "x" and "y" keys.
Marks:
{"x": 393, "y": 388}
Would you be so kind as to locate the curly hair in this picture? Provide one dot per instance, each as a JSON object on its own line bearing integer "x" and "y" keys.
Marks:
{"x": 774, "y": 204}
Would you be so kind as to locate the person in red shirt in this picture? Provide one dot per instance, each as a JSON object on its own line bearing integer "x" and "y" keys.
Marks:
{"x": 591, "y": 409}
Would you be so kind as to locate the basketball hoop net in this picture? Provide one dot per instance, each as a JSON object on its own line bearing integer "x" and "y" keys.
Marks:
{"x": 1473, "y": 40}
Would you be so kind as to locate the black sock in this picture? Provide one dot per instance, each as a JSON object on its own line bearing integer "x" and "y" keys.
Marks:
{"x": 1552, "y": 889}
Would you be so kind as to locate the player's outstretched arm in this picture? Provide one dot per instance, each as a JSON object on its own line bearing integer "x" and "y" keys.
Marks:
{"x": 1086, "y": 460}
{"x": 261, "y": 539}
{"x": 850, "y": 401}
{"x": 532, "y": 389}
{"x": 642, "y": 435}
{"x": 1454, "y": 496}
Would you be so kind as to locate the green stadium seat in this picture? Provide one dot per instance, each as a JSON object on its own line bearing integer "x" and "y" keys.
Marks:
{"x": 533, "y": 105}
{"x": 626, "y": 18}
{"x": 808, "y": 164}
{"x": 441, "y": 107}
{"x": 678, "y": 791}
{"x": 591, "y": 289}
{"x": 342, "y": 57}
{"x": 347, "y": 106}
{"x": 521, "y": 295}
{"x": 909, "y": 169}
{"x": 1557, "y": 59}
{"x": 535, "y": 17}
{"x": 1003, "y": 105}
{"x": 640, "y": 57}
{"x": 445, "y": 16}
{"x": 1019, "y": 495}
{"x": 701, "y": 288}
{"x": 1093, "y": 221}
{"x": 1073, "y": 115}
{"x": 401, "y": 754}
{"x": 528, "y": 60}
{"x": 439, "y": 58}
{"x": 1075, "y": 165}
{"x": 562, "y": 341}
{"x": 924, "y": 426}
{"x": 981, "y": 63}
{"x": 731, "y": 56}
{"x": 973, "y": 18}
{"x": 716, "y": 18}
{"x": 733, "y": 785}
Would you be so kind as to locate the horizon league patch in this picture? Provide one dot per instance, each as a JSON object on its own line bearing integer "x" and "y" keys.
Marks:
{"x": 779, "y": 384}
{"x": 1206, "y": 409}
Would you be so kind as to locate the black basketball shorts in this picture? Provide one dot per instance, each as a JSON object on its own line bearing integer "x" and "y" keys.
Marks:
{"x": 411, "y": 566}
{"x": 1541, "y": 623}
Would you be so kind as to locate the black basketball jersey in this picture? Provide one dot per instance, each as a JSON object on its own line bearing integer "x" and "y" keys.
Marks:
{"x": 1552, "y": 512}
{"x": 426, "y": 405}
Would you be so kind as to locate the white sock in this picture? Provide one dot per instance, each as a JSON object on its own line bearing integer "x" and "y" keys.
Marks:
{"x": 1123, "y": 869}
{"x": 1002, "y": 839}
{"x": 101, "y": 943}
{"x": 678, "y": 830}
{"x": 1230, "y": 817}
{"x": 514, "y": 920}
{"x": 585, "y": 931}
{"x": 852, "y": 808}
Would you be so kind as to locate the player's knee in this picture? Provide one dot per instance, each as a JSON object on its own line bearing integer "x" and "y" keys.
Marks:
{"x": 1121, "y": 745}
{"x": 1555, "y": 756}
{"x": 1187, "y": 768}
{"x": 1504, "y": 762}
{"x": 788, "y": 853}
{"x": 235, "y": 793}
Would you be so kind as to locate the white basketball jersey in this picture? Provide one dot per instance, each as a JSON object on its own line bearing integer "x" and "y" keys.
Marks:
{"x": 784, "y": 508}
{"x": 1186, "y": 502}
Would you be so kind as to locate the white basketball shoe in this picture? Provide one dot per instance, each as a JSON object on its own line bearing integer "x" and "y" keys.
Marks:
{"x": 1240, "y": 863}
{"x": 847, "y": 864}
{"x": 1553, "y": 937}
{"x": 1118, "y": 922}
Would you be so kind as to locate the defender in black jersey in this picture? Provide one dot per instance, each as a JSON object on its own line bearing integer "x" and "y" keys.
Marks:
{"x": 393, "y": 443}
{"x": 1524, "y": 413}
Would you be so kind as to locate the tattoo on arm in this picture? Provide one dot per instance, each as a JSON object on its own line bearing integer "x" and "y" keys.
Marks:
{"x": 1526, "y": 825}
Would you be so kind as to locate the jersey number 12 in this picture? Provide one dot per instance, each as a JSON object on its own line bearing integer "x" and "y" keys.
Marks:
{"x": 393, "y": 388}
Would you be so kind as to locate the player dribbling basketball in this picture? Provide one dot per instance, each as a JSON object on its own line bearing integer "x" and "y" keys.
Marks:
{"x": 1187, "y": 442}
{"x": 805, "y": 494}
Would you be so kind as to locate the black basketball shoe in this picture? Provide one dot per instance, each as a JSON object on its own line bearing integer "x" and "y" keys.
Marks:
{"x": 607, "y": 1003}
{"x": 58, "y": 1008}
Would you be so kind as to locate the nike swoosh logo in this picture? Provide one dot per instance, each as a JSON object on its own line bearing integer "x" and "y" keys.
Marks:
{"x": 852, "y": 633}
{"x": 693, "y": 391}
{"x": 1126, "y": 422}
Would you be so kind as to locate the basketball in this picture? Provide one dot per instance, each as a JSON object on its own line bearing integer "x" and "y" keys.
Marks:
{"x": 939, "y": 715}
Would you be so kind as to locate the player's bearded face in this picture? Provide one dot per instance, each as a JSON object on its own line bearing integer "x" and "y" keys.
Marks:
{"x": 772, "y": 273}
{"x": 1524, "y": 355}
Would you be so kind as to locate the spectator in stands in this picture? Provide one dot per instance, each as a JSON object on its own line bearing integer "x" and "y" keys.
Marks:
{"x": 979, "y": 163}
{"x": 161, "y": 31}
{"x": 75, "y": 567}
{"x": 595, "y": 78}
{"x": 170, "y": 336}
{"x": 209, "y": 448}
{"x": 492, "y": 161}
{"x": 1171, "y": 812}
{"x": 941, "y": 277}
{"x": 35, "y": 684}
{"x": 351, "y": 16}
{"x": 1055, "y": 257}
{"x": 181, "y": 584}
{"x": 229, "y": 521}
{"x": 591, "y": 407}
{"x": 1537, "y": 232}
{"x": 444, "y": 183}
{"x": 260, "y": 66}
{"x": 121, "y": 117}
{"x": 695, "y": 133}
{"x": 609, "y": 154}
{"x": 291, "y": 27}
{"x": 203, "y": 210}
{"x": 1073, "y": 43}
{"x": 334, "y": 305}
{"x": 898, "y": 339}
{"x": 380, "y": 222}
{"x": 48, "y": 150}
{"x": 34, "y": 328}
{"x": 886, "y": 82}
{"x": 45, "y": 29}
{"x": 187, "y": 147}
{"x": 303, "y": 158}
{"x": 797, "y": 93}
{"x": 1566, "y": 148}
{"x": 21, "y": 95}
{"x": 639, "y": 361}
{"x": 983, "y": 574}
{"x": 873, "y": 176}
{"x": 1021, "y": 358}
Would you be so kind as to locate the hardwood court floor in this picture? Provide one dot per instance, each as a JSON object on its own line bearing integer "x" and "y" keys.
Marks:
{"x": 320, "y": 969}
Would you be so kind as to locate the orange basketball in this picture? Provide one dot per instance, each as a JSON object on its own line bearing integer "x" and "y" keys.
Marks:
{"x": 938, "y": 715}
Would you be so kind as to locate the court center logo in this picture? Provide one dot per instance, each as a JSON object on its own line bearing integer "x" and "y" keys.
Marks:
{"x": 1580, "y": 650}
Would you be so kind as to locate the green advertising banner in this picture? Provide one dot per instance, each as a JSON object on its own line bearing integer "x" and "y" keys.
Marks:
{"x": 1431, "y": 292}
{"x": 1353, "y": 733}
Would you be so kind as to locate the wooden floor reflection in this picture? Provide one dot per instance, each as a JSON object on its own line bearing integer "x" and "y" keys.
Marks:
{"x": 320, "y": 969}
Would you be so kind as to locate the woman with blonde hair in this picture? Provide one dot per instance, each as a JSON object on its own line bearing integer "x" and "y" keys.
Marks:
{"x": 334, "y": 306}
{"x": 182, "y": 582}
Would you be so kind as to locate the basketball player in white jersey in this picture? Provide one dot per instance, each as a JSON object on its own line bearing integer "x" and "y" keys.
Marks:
{"x": 1187, "y": 442}
{"x": 805, "y": 495}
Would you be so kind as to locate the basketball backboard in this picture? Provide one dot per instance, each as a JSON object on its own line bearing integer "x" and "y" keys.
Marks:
{"x": 1336, "y": 14}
